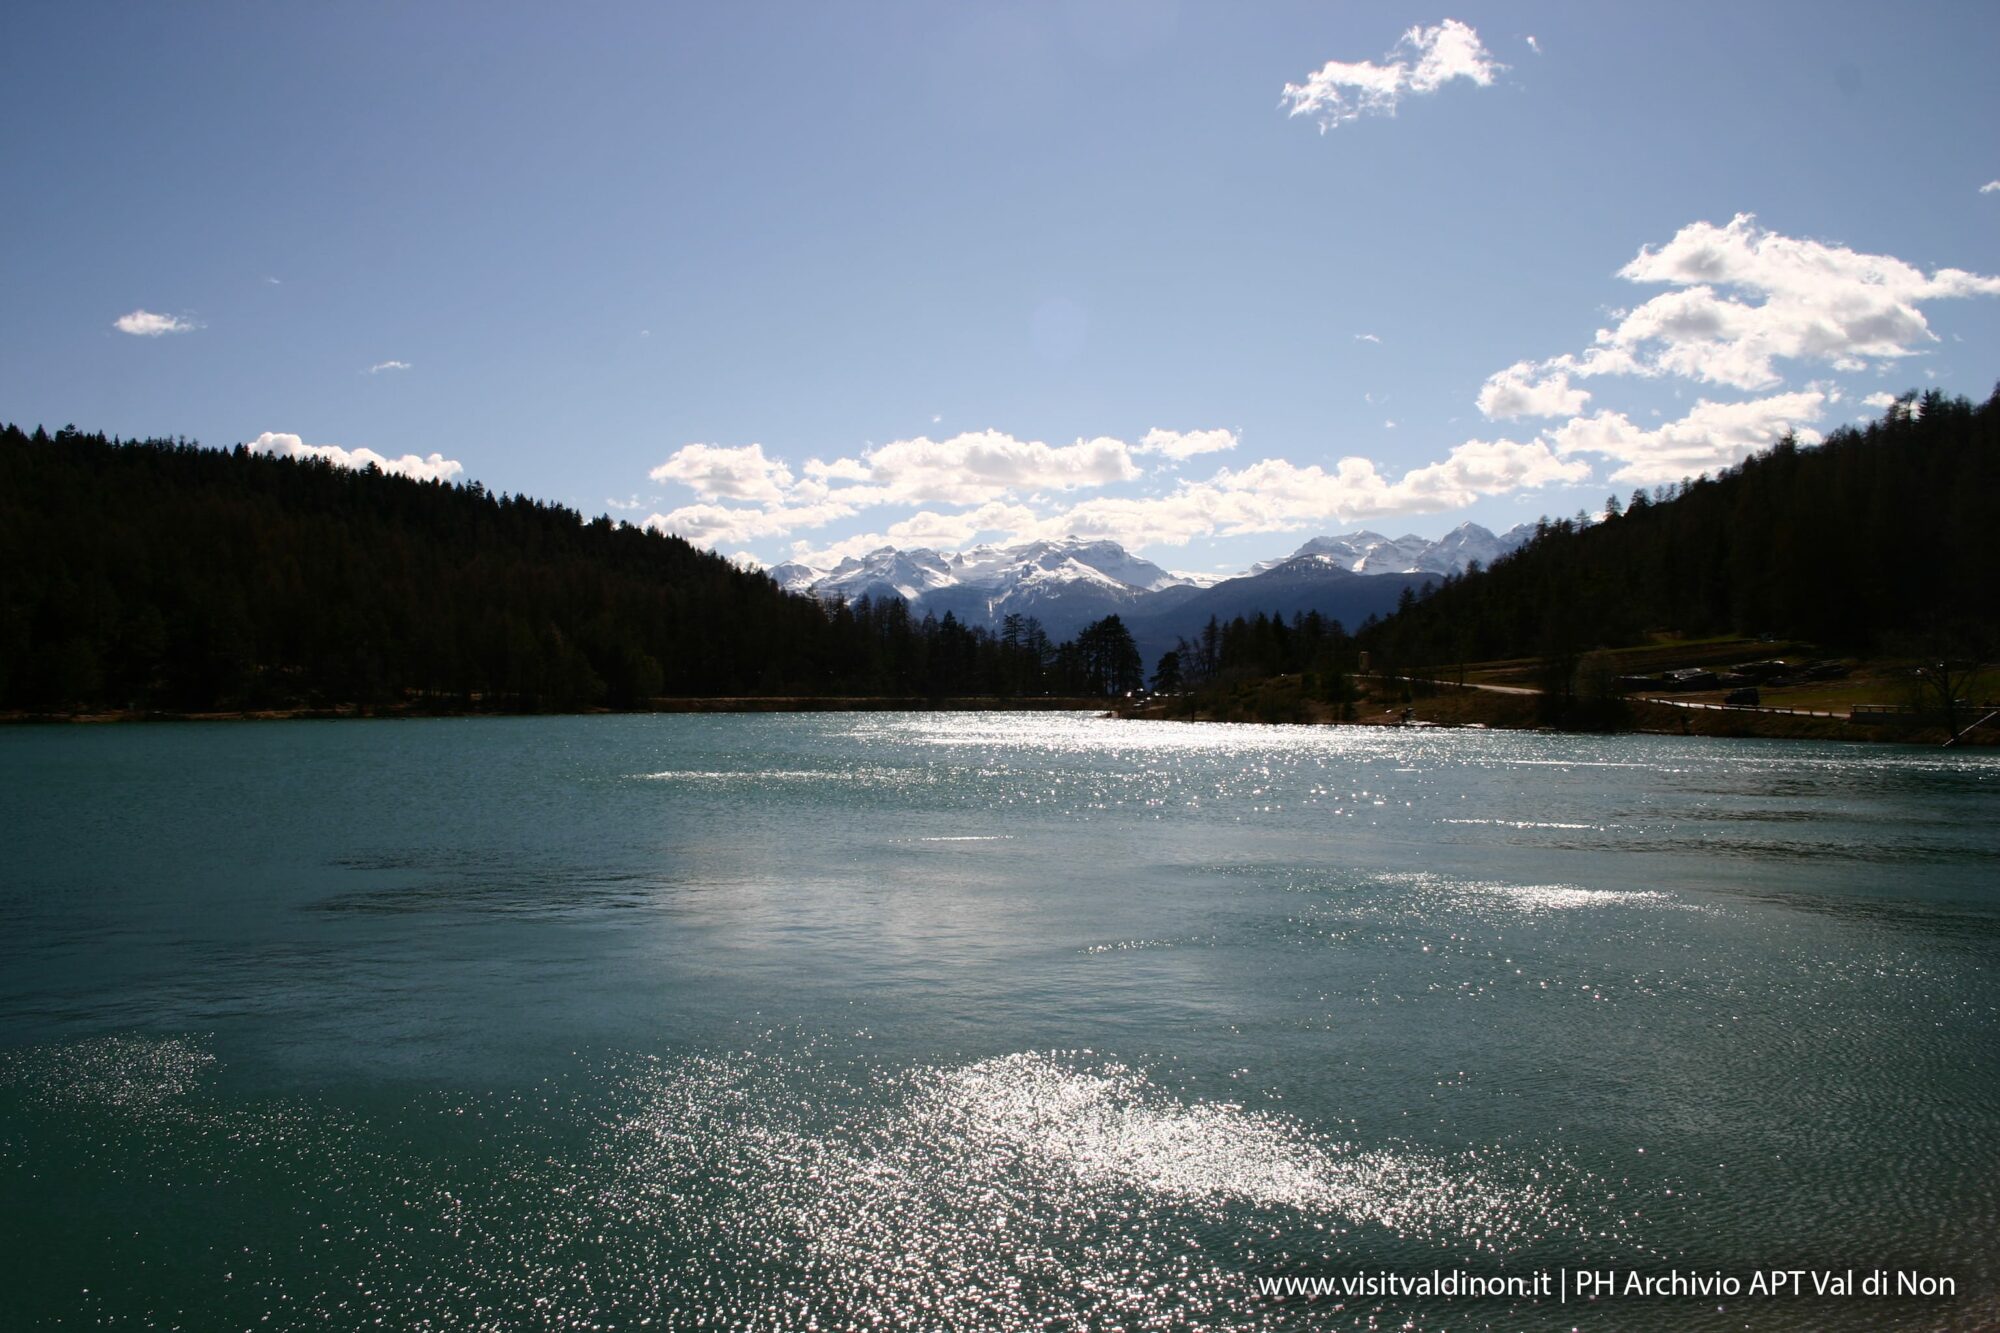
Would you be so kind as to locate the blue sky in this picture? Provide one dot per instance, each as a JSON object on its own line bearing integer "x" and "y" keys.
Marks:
{"x": 976, "y": 272}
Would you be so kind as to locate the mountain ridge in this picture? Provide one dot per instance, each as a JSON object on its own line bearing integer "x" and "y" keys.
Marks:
{"x": 1069, "y": 582}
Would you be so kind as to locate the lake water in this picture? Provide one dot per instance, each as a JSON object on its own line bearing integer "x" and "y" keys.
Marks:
{"x": 982, "y": 1021}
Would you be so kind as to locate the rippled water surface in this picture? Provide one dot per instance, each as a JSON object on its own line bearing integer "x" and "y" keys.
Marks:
{"x": 981, "y": 1021}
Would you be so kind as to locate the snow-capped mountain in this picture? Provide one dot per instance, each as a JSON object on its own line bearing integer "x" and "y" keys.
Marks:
{"x": 1068, "y": 584}
{"x": 1065, "y": 584}
{"x": 1371, "y": 553}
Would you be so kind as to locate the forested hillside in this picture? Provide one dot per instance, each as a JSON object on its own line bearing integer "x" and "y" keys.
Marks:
{"x": 160, "y": 575}
{"x": 1884, "y": 538}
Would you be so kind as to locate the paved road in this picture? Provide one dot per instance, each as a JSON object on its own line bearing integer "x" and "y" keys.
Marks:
{"x": 1466, "y": 685}
{"x": 1740, "y": 708}
{"x": 1642, "y": 698}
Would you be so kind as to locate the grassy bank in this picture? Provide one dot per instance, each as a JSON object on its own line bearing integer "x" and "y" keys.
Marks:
{"x": 1286, "y": 699}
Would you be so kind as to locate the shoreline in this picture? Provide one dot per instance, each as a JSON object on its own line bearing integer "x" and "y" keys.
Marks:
{"x": 783, "y": 703}
{"x": 1451, "y": 708}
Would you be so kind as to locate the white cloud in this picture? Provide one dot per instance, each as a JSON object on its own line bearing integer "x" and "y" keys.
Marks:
{"x": 993, "y": 483}
{"x": 1744, "y": 300}
{"x": 434, "y": 468}
{"x": 1879, "y": 400}
{"x": 1422, "y": 62}
{"x": 146, "y": 324}
{"x": 1748, "y": 298}
{"x": 1475, "y": 469}
{"x": 718, "y": 525}
{"x": 989, "y": 471}
{"x": 381, "y": 366}
{"x": 1710, "y": 437}
{"x": 1367, "y": 338}
{"x": 1275, "y": 495}
{"x": 1533, "y": 45}
{"x": 1181, "y": 445}
{"x": 974, "y": 467}
{"x": 1991, "y": 187}
{"x": 927, "y": 528}
{"x": 1515, "y": 392}
{"x": 723, "y": 472}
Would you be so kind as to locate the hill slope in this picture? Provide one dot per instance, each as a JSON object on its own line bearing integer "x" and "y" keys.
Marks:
{"x": 159, "y": 574}
{"x": 1884, "y": 537}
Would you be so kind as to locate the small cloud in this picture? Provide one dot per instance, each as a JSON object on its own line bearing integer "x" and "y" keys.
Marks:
{"x": 1991, "y": 187}
{"x": 1422, "y": 62}
{"x": 1534, "y": 45}
{"x": 936, "y": 418}
{"x": 1517, "y": 392}
{"x": 146, "y": 324}
{"x": 1182, "y": 445}
{"x": 1879, "y": 400}
{"x": 1388, "y": 425}
{"x": 284, "y": 445}
{"x": 645, "y": 333}
{"x": 381, "y": 366}
{"x": 634, "y": 503}
{"x": 273, "y": 282}
{"x": 1366, "y": 338}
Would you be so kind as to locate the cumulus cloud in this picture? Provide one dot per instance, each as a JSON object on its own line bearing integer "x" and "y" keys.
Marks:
{"x": 989, "y": 482}
{"x": 1712, "y": 436}
{"x": 1277, "y": 495}
{"x": 717, "y": 525}
{"x": 1879, "y": 400}
{"x": 976, "y": 466}
{"x": 1180, "y": 445}
{"x": 1522, "y": 390}
{"x": 1533, "y": 45}
{"x": 1367, "y": 338}
{"x": 1991, "y": 187}
{"x": 1480, "y": 468}
{"x": 146, "y": 324}
{"x": 1270, "y": 495}
{"x": 1744, "y": 301}
{"x": 927, "y": 528}
{"x": 726, "y": 472}
{"x": 966, "y": 469}
{"x": 381, "y": 366}
{"x": 1747, "y": 298}
{"x": 1422, "y": 62}
{"x": 436, "y": 467}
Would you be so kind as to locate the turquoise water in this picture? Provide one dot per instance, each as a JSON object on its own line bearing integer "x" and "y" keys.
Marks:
{"x": 969, "y": 1020}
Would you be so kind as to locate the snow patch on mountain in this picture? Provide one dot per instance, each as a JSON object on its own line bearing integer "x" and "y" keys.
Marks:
{"x": 1372, "y": 553}
{"x": 999, "y": 570}
{"x": 1069, "y": 583}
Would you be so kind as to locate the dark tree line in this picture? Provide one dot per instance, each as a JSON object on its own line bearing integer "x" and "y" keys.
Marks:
{"x": 158, "y": 574}
{"x": 1252, "y": 648}
{"x": 1884, "y": 538}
